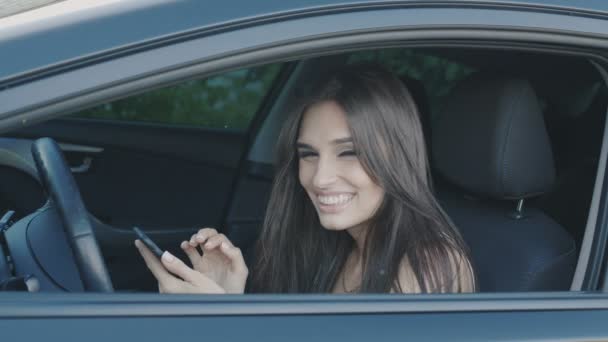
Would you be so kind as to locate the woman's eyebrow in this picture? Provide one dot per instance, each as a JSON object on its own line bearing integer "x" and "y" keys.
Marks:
{"x": 342, "y": 141}
{"x": 303, "y": 145}
{"x": 335, "y": 142}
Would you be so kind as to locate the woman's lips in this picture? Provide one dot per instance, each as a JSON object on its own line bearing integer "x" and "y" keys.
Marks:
{"x": 331, "y": 204}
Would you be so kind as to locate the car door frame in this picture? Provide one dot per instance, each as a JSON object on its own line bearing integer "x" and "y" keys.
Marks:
{"x": 462, "y": 316}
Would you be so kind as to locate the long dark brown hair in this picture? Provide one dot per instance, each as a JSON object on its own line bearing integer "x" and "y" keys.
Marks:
{"x": 295, "y": 254}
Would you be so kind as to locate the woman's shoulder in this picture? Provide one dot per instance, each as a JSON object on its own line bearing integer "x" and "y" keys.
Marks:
{"x": 459, "y": 276}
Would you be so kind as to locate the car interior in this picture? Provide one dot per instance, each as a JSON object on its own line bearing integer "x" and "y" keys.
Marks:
{"x": 513, "y": 136}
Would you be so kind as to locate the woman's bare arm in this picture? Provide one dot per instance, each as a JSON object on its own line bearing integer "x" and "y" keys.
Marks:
{"x": 459, "y": 265}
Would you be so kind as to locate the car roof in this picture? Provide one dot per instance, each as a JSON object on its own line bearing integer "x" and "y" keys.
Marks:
{"x": 72, "y": 29}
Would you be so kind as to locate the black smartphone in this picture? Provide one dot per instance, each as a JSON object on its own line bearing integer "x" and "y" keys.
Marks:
{"x": 143, "y": 237}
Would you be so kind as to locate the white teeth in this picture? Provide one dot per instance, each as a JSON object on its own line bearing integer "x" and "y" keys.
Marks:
{"x": 335, "y": 200}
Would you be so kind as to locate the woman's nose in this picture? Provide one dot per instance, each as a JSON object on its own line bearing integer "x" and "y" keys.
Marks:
{"x": 325, "y": 173}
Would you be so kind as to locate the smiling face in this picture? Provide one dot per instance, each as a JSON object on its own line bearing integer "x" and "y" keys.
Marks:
{"x": 343, "y": 194}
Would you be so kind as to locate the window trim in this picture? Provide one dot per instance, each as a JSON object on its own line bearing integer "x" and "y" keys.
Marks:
{"x": 191, "y": 58}
{"x": 471, "y": 36}
{"x": 595, "y": 240}
{"x": 82, "y": 305}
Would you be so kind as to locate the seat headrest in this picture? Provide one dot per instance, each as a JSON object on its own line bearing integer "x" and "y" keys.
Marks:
{"x": 490, "y": 139}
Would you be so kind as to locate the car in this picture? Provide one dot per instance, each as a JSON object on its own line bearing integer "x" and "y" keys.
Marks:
{"x": 164, "y": 115}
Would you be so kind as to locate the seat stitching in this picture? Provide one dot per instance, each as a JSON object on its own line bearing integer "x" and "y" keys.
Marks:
{"x": 506, "y": 142}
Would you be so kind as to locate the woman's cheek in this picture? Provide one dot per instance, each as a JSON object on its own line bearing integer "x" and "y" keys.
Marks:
{"x": 303, "y": 174}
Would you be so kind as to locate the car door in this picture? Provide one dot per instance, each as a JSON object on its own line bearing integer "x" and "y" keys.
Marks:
{"x": 165, "y": 158}
{"x": 164, "y": 161}
{"x": 577, "y": 315}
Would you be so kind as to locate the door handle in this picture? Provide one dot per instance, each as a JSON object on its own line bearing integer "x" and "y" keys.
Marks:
{"x": 87, "y": 160}
{"x": 84, "y": 167}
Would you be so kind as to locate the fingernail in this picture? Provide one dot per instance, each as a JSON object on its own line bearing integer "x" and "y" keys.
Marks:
{"x": 200, "y": 237}
{"x": 184, "y": 244}
{"x": 137, "y": 244}
{"x": 168, "y": 257}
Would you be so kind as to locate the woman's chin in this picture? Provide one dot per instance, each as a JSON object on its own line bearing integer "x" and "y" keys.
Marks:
{"x": 333, "y": 225}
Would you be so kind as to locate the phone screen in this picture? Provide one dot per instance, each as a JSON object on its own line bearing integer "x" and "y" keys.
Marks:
{"x": 148, "y": 242}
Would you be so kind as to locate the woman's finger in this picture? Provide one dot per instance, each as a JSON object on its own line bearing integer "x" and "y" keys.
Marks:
{"x": 201, "y": 236}
{"x": 177, "y": 267}
{"x": 215, "y": 241}
{"x": 154, "y": 265}
{"x": 235, "y": 255}
{"x": 207, "y": 230}
{"x": 191, "y": 252}
{"x": 192, "y": 242}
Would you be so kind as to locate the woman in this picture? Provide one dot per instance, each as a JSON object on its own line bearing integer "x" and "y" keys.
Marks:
{"x": 351, "y": 209}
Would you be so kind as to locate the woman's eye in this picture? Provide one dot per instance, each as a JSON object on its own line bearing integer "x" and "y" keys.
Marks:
{"x": 350, "y": 153}
{"x": 306, "y": 154}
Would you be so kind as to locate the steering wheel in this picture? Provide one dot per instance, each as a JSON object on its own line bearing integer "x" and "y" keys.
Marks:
{"x": 61, "y": 187}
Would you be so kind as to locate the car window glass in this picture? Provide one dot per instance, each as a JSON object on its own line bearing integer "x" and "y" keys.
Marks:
{"x": 437, "y": 74}
{"x": 225, "y": 101}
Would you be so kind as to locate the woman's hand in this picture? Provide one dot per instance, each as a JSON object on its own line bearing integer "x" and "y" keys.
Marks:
{"x": 220, "y": 268}
{"x": 220, "y": 261}
{"x": 165, "y": 269}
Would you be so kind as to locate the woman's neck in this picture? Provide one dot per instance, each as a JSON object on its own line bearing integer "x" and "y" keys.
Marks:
{"x": 349, "y": 279}
{"x": 359, "y": 234}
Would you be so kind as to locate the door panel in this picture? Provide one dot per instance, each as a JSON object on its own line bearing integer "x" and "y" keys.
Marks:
{"x": 151, "y": 176}
{"x": 168, "y": 180}
{"x": 544, "y": 325}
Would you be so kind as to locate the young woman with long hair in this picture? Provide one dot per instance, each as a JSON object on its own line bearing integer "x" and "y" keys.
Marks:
{"x": 351, "y": 208}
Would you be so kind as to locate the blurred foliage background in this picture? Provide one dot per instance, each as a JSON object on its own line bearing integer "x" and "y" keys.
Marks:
{"x": 230, "y": 100}
{"x": 438, "y": 75}
{"x": 227, "y": 101}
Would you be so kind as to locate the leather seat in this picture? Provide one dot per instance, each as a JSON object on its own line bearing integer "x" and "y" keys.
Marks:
{"x": 491, "y": 153}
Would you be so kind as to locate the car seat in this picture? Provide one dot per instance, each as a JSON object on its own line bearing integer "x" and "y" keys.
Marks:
{"x": 491, "y": 153}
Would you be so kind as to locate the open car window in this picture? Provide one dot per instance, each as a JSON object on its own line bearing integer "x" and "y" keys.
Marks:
{"x": 227, "y": 101}
{"x": 198, "y": 154}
